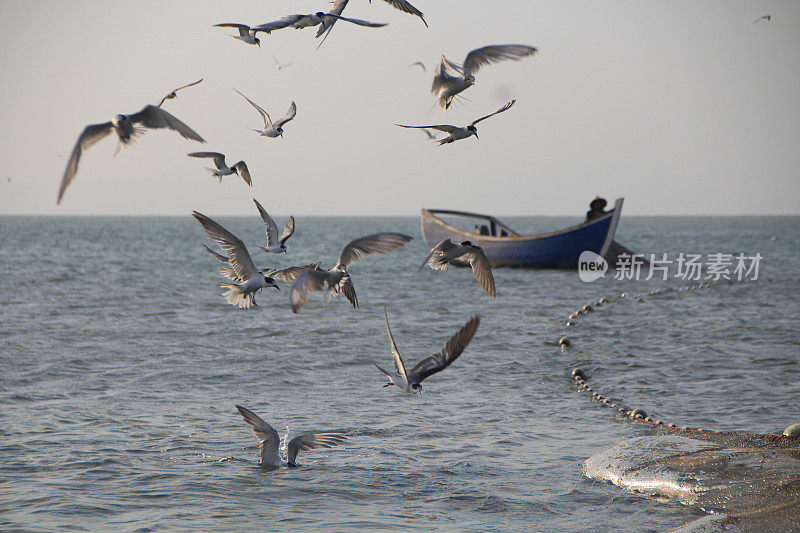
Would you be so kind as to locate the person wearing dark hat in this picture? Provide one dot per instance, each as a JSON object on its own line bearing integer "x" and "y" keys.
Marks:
{"x": 596, "y": 209}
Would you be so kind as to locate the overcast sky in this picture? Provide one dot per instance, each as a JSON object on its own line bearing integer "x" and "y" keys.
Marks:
{"x": 682, "y": 107}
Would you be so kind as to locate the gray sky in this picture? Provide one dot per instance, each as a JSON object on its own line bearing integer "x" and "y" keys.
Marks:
{"x": 682, "y": 107}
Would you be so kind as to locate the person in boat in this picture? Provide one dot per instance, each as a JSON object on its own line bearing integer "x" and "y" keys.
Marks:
{"x": 596, "y": 208}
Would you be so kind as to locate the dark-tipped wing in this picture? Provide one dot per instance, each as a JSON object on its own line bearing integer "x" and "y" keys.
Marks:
{"x": 284, "y": 22}
{"x": 309, "y": 441}
{"x": 493, "y": 54}
{"x": 266, "y": 435}
{"x": 405, "y": 7}
{"x": 378, "y": 243}
{"x": 504, "y": 108}
{"x": 244, "y": 172}
{"x": 289, "y": 273}
{"x": 244, "y": 29}
{"x": 288, "y": 231}
{"x": 155, "y": 117}
{"x": 399, "y": 366}
{"x": 90, "y": 135}
{"x": 219, "y": 257}
{"x": 360, "y": 22}
{"x": 172, "y": 93}
{"x": 306, "y": 283}
{"x": 264, "y": 114}
{"x": 346, "y": 287}
{"x": 480, "y": 267}
{"x": 330, "y": 19}
{"x": 439, "y": 361}
{"x": 447, "y": 128}
{"x": 219, "y": 159}
{"x": 238, "y": 256}
{"x": 290, "y": 114}
{"x": 269, "y": 225}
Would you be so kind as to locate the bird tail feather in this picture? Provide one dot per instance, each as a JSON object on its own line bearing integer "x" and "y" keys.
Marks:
{"x": 235, "y": 296}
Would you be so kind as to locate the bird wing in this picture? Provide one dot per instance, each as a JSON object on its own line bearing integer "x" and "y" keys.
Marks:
{"x": 283, "y": 22}
{"x": 506, "y": 107}
{"x": 155, "y": 117}
{"x": 493, "y": 54}
{"x": 266, "y": 435}
{"x": 330, "y": 19}
{"x": 90, "y": 135}
{"x": 421, "y": 64}
{"x": 288, "y": 231}
{"x": 290, "y": 114}
{"x": 447, "y": 128}
{"x": 219, "y": 159}
{"x": 244, "y": 172}
{"x": 269, "y": 225}
{"x": 309, "y": 441}
{"x": 346, "y": 287}
{"x": 264, "y": 114}
{"x": 360, "y": 22}
{"x": 441, "y": 76}
{"x": 405, "y": 7}
{"x": 480, "y": 267}
{"x": 244, "y": 29}
{"x": 378, "y": 243}
{"x": 398, "y": 361}
{"x": 289, "y": 273}
{"x": 219, "y": 257}
{"x": 187, "y": 85}
{"x": 444, "y": 246}
{"x": 441, "y": 360}
{"x": 238, "y": 256}
{"x": 308, "y": 282}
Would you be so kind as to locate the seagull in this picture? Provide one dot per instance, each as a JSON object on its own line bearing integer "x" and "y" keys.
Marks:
{"x": 457, "y": 133}
{"x": 274, "y": 244}
{"x": 242, "y": 293}
{"x": 411, "y": 381}
{"x": 278, "y": 66}
{"x": 127, "y": 128}
{"x": 284, "y": 274}
{"x": 765, "y": 17}
{"x": 446, "y": 253}
{"x": 446, "y": 86}
{"x": 421, "y": 64}
{"x": 337, "y": 278}
{"x": 222, "y": 169}
{"x": 313, "y": 19}
{"x": 339, "y": 5}
{"x": 272, "y": 129}
{"x": 174, "y": 93}
{"x": 270, "y": 442}
{"x": 246, "y": 33}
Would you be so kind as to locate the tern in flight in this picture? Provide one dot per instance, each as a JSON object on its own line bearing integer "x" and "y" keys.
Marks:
{"x": 446, "y": 86}
{"x": 269, "y": 442}
{"x": 411, "y": 380}
{"x": 338, "y": 7}
{"x": 284, "y": 274}
{"x": 765, "y": 17}
{"x": 299, "y": 22}
{"x": 174, "y": 93}
{"x": 275, "y": 245}
{"x": 242, "y": 293}
{"x": 421, "y": 65}
{"x": 337, "y": 279}
{"x": 272, "y": 129}
{"x": 127, "y": 128}
{"x": 223, "y": 169}
{"x": 278, "y": 66}
{"x": 446, "y": 253}
{"x": 246, "y": 33}
{"x": 456, "y": 133}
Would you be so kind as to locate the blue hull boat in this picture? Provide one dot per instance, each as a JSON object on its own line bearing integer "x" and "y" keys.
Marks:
{"x": 506, "y": 248}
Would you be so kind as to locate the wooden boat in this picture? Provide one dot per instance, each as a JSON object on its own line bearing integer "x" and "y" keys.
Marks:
{"x": 507, "y": 248}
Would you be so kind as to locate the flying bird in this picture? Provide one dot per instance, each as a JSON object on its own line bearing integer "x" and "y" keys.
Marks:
{"x": 284, "y": 274}
{"x": 765, "y": 17}
{"x": 338, "y": 7}
{"x": 446, "y": 86}
{"x": 272, "y": 129}
{"x": 246, "y": 33}
{"x": 456, "y": 133}
{"x": 127, "y": 128}
{"x": 337, "y": 279}
{"x": 269, "y": 442}
{"x": 446, "y": 253}
{"x": 237, "y": 293}
{"x": 411, "y": 380}
{"x": 299, "y": 22}
{"x": 421, "y": 65}
{"x": 275, "y": 245}
{"x": 278, "y": 66}
{"x": 222, "y": 169}
{"x": 174, "y": 93}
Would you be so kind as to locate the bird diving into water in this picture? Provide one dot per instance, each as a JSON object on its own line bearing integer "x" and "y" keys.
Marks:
{"x": 337, "y": 279}
{"x": 447, "y": 253}
{"x": 222, "y": 169}
{"x": 446, "y": 86}
{"x": 272, "y": 129}
{"x": 128, "y": 128}
{"x": 456, "y": 133}
{"x": 410, "y": 381}
{"x": 174, "y": 94}
{"x": 269, "y": 442}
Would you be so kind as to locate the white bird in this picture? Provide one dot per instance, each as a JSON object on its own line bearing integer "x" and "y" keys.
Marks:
{"x": 411, "y": 380}
{"x": 174, "y": 93}
{"x": 272, "y": 129}
{"x": 446, "y": 86}
{"x": 278, "y": 66}
{"x": 446, "y": 253}
{"x": 222, "y": 169}
{"x": 269, "y": 442}
{"x": 337, "y": 279}
{"x": 312, "y": 19}
{"x": 246, "y": 33}
{"x": 284, "y": 274}
{"x": 274, "y": 244}
{"x": 338, "y": 7}
{"x": 242, "y": 293}
{"x": 456, "y": 133}
{"x": 127, "y": 128}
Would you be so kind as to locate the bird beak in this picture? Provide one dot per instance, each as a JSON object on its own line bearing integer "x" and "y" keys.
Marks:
{"x": 259, "y": 44}
{"x": 277, "y": 287}
{"x": 476, "y": 136}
